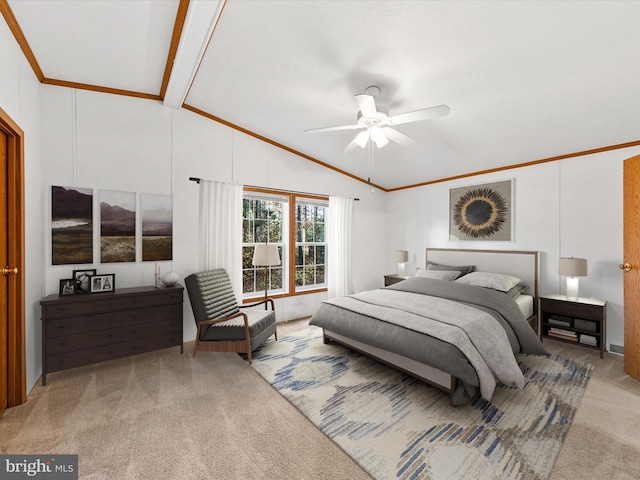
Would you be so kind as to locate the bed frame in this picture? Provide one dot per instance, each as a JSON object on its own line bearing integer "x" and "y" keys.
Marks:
{"x": 521, "y": 264}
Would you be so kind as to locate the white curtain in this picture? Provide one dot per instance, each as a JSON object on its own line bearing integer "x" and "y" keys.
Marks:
{"x": 339, "y": 227}
{"x": 221, "y": 230}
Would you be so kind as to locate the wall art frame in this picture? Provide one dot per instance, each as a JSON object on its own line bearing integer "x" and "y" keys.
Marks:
{"x": 103, "y": 283}
{"x": 67, "y": 287}
{"x": 482, "y": 212}
{"x": 82, "y": 277}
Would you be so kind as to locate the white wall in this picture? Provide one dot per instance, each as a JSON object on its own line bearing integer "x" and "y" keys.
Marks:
{"x": 20, "y": 99}
{"x": 571, "y": 207}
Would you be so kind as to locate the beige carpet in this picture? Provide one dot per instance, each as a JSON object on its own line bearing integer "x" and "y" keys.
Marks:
{"x": 166, "y": 415}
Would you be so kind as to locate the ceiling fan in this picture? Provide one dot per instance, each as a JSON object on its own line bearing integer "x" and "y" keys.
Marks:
{"x": 378, "y": 124}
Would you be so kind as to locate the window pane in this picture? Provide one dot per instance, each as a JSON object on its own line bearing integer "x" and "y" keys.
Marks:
{"x": 260, "y": 231}
{"x": 319, "y": 231}
{"x": 299, "y": 276}
{"x": 299, "y": 256}
{"x": 261, "y": 209}
{"x": 309, "y": 275}
{"x": 309, "y": 256}
{"x": 320, "y": 255}
{"x": 276, "y": 278}
{"x": 320, "y": 274}
{"x": 247, "y": 257}
{"x": 275, "y": 231}
{"x": 260, "y": 279}
{"x": 247, "y": 231}
{"x": 247, "y": 281}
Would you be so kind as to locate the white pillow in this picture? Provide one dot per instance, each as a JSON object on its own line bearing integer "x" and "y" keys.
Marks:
{"x": 446, "y": 275}
{"x": 497, "y": 281}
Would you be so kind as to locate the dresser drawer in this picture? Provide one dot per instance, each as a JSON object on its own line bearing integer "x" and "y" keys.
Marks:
{"x": 162, "y": 298}
{"x": 87, "y": 323}
{"x": 144, "y": 330}
{"x": 79, "y": 308}
{"x": 63, "y": 361}
{"x": 153, "y": 314}
{"x": 72, "y": 343}
{"x": 153, "y": 343}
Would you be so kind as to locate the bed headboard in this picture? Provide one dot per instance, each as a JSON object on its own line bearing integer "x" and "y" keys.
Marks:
{"x": 521, "y": 264}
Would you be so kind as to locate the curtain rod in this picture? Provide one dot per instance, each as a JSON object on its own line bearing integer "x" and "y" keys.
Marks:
{"x": 197, "y": 180}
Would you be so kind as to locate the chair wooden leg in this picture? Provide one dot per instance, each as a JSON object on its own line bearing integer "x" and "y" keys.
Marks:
{"x": 249, "y": 354}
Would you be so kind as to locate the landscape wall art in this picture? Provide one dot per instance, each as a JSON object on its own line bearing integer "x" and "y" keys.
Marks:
{"x": 71, "y": 225}
{"x": 117, "y": 226}
{"x": 157, "y": 227}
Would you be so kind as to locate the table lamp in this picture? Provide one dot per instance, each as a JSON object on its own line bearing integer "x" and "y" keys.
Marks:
{"x": 572, "y": 268}
{"x": 401, "y": 257}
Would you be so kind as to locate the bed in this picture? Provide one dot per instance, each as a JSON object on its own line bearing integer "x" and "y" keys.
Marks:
{"x": 443, "y": 328}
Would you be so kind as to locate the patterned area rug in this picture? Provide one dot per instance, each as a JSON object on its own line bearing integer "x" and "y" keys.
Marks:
{"x": 395, "y": 426}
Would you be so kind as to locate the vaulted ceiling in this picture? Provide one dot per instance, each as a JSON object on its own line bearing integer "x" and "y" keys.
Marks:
{"x": 525, "y": 81}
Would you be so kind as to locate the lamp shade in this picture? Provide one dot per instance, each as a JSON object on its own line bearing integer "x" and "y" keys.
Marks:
{"x": 266, "y": 255}
{"x": 572, "y": 267}
{"x": 401, "y": 256}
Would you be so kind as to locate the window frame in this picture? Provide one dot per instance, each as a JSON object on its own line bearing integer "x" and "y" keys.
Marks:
{"x": 289, "y": 246}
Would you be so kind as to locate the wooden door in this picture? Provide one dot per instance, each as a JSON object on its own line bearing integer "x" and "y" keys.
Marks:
{"x": 631, "y": 172}
{"x": 4, "y": 291}
{"x": 13, "y": 389}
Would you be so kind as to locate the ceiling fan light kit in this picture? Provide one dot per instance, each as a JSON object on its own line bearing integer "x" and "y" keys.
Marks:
{"x": 378, "y": 123}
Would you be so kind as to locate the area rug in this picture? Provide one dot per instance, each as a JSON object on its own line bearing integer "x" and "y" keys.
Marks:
{"x": 395, "y": 426}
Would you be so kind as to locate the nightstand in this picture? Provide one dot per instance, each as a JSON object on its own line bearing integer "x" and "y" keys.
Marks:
{"x": 393, "y": 278}
{"x": 581, "y": 321}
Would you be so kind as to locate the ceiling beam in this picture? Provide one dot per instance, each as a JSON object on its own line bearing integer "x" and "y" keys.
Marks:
{"x": 201, "y": 19}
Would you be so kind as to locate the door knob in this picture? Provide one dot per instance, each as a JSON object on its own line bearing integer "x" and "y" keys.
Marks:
{"x": 625, "y": 266}
{"x": 8, "y": 270}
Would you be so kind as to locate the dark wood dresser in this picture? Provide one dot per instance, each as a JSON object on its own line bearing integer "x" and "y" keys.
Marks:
{"x": 83, "y": 329}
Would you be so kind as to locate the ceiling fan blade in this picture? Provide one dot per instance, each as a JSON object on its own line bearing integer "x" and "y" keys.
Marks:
{"x": 399, "y": 138}
{"x": 423, "y": 114}
{"x": 366, "y": 104}
{"x": 360, "y": 140}
{"x": 350, "y": 147}
{"x": 333, "y": 129}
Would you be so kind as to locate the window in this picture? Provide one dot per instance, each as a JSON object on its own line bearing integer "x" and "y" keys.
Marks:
{"x": 310, "y": 245}
{"x": 298, "y": 231}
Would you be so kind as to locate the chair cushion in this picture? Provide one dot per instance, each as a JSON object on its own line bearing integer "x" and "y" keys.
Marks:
{"x": 211, "y": 295}
{"x": 259, "y": 320}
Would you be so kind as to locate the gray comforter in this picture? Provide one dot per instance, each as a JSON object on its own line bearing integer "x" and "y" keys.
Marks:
{"x": 469, "y": 332}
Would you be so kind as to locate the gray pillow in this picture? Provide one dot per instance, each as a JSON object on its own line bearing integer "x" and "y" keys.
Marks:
{"x": 497, "y": 281}
{"x": 447, "y": 275}
{"x": 464, "y": 269}
{"x": 518, "y": 290}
